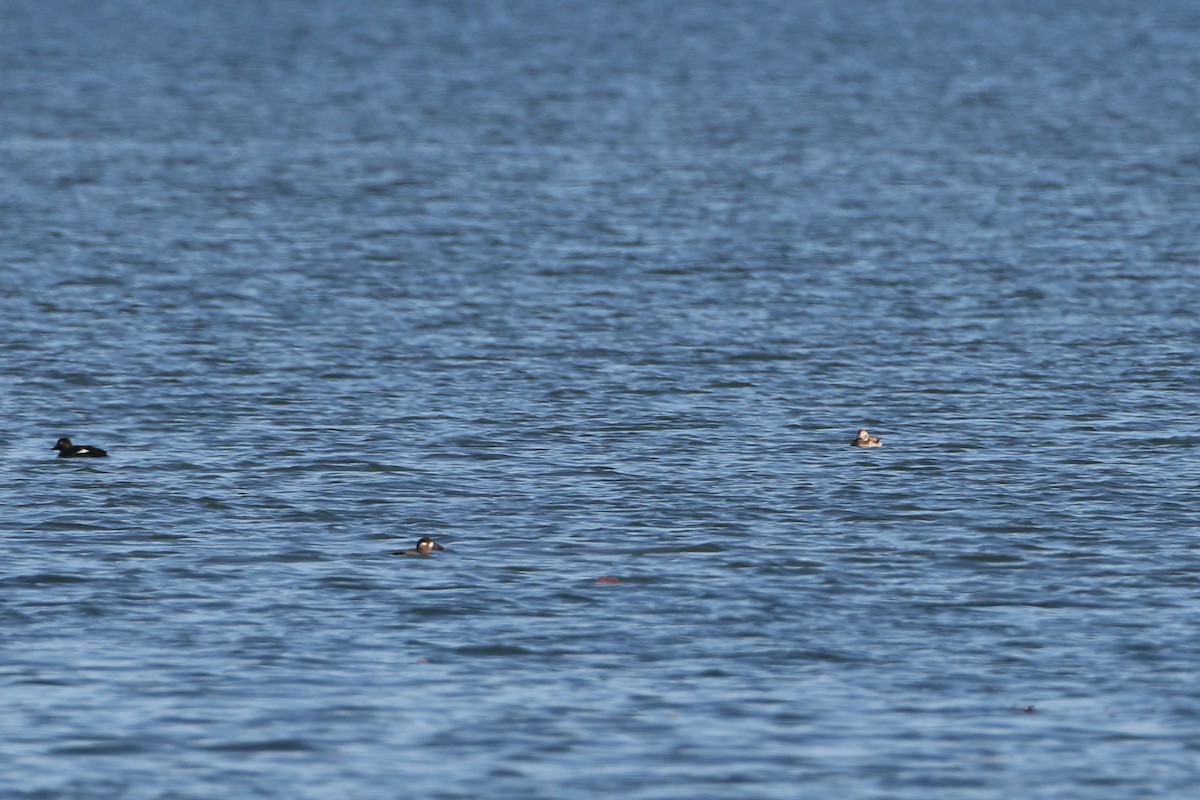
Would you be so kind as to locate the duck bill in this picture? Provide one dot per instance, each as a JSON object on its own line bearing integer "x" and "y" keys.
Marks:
{"x": 437, "y": 546}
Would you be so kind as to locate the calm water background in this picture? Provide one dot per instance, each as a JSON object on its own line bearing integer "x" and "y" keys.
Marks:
{"x": 600, "y": 290}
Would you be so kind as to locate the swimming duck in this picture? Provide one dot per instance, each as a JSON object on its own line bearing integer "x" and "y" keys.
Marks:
{"x": 865, "y": 439}
{"x": 67, "y": 450}
{"x": 424, "y": 547}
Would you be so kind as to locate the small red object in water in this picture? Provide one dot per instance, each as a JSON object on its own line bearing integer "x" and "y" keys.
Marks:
{"x": 608, "y": 579}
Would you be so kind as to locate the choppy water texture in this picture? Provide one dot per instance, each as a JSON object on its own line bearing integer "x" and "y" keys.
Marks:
{"x": 597, "y": 295}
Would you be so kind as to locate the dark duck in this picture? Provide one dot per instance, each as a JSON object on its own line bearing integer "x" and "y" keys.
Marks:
{"x": 67, "y": 450}
{"x": 424, "y": 547}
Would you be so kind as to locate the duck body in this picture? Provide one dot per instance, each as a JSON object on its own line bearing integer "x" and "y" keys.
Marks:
{"x": 67, "y": 450}
{"x": 865, "y": 439}
{"x": 424, "y": 547}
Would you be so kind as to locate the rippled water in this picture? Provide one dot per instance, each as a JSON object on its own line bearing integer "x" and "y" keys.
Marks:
{"x": 597, "y": 295}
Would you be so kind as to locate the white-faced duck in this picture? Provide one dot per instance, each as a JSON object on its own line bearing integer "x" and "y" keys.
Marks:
{"x": 424, "y": 547}
{"x": 865, "y": 439}
{"x": 67, "y": 450}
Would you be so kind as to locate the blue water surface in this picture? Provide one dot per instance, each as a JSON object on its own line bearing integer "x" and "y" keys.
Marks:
{"x": 597, "y": 294}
